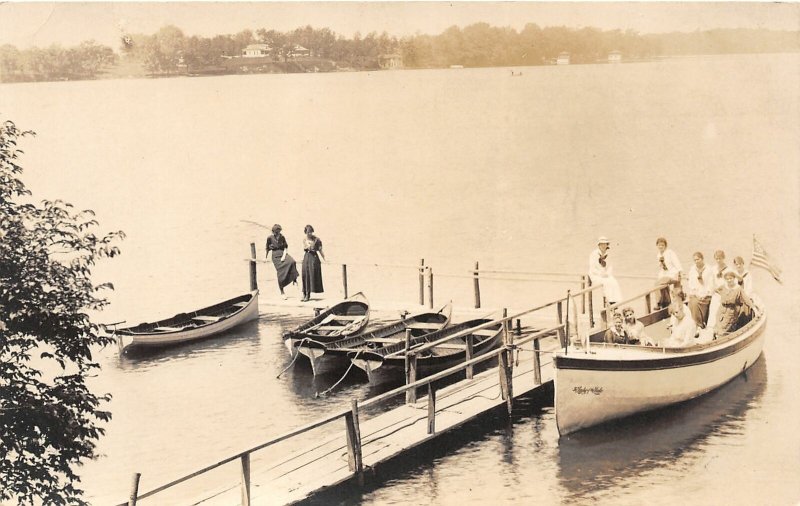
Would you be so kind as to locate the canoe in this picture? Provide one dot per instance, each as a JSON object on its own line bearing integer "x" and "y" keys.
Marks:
{"x": 190, "y": 326}
{"x": 419, "y": 325}
{"x": 596, "y": 383}
{"x": 441, "y": 356}
{"x": 344, "y": 319}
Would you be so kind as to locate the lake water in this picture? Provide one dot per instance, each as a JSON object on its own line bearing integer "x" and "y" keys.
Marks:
{"x": 453, "y": 166}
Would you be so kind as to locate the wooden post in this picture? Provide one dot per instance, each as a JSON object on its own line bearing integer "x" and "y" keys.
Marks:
{"x": 431, "y": 409}
{"x": 134, "y": 489}
{"x": 537, "y": 368}
{"x": 477, "y": 286}
{"x": 504, "y": 367}
{"x": 591, "y": 307}
{"x": 344, "y": 279}
{"x": 354, "y": 461}
{"x": 519, "y": 327}
{"x": 245, "y": 479}
{"x": 583, "y": 294}
{"x": 469, "y": 353}
{"x": 430, "y": 287}
{"x": 560, "y": 310}
{"x": 648, "y": 304}
{"x": 509, "y": 363}
{"x": 411, "y": 377}
{"x": 253, "y": 271}
{"x": 421, "y": 281}
{"x": 604, "y": 312}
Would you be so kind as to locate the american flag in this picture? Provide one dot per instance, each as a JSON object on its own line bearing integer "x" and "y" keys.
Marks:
{"x": 762, "y": 259}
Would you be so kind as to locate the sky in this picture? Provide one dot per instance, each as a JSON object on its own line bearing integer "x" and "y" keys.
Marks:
{"x": 26, "y": 24}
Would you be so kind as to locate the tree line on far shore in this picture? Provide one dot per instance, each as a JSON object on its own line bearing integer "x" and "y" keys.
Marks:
{"x": 169, "y": 51}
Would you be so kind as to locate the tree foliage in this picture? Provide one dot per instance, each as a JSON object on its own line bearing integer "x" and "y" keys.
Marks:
{"x": 84, "y": 61}
{"x": 49, "y": 419}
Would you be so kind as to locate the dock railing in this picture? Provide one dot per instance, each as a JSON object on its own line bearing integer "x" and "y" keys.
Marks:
{"x": 511, "y": 343}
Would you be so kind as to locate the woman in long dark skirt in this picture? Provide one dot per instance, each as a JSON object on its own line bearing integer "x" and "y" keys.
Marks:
{"x": 285, "y": 265}
{"x": 312, "y": 267}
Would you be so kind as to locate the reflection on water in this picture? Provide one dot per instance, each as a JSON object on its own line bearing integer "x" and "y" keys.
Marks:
{"x": 603, "y": 456}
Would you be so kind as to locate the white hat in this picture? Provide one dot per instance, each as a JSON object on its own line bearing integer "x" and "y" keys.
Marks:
{"x": 603, "y": 240}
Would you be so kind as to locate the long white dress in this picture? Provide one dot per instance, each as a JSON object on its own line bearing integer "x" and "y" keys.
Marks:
{"x": 603, "y": 275}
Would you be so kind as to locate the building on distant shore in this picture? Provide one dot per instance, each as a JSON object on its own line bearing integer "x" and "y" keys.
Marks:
{"x": 615, "y": 57}
{"x": 256, "y": 50}
{"x": 390, "y": 61}
{"x": 298, "y": 51}
{"x": 563, "y": 59}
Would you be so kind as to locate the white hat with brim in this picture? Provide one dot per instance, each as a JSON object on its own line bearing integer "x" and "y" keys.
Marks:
{"x": 603, "y": 240}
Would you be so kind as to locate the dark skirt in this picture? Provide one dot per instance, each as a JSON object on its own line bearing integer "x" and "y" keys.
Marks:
{"x": 286, "y": 269}
{"x": 312, "y": 273}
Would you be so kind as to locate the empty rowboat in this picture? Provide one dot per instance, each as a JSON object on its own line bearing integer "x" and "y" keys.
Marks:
{"x": 418, "y": 326}
{"x": 191, "y": 326}
{"x": 344, "y": 319}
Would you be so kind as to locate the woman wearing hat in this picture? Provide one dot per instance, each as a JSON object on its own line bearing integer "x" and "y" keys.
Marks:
{"x": 600, "y": 271}
{"x": 284, "y": 264}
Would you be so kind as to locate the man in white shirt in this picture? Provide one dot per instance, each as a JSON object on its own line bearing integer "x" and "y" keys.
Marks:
{"x": 683, "y": 327}
{"x": 669, "y": 271}
{"x": 600, "y": 271}
{"x": 700, "y": 288}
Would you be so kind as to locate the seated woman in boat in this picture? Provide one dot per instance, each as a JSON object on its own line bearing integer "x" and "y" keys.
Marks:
{"x": 699, "y": 288}
{"x": 735, "y": 306}
{"x": 684, "y": 327}
{"x": 616, "y": 333}
{"x": 600, "y": 271}
{"x": 718, "y": 271}
{"x": 634, "y": 328}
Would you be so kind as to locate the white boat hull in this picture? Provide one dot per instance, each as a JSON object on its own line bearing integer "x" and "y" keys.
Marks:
{"x": 615, "y": 382}
{"x": 247, "y": 313}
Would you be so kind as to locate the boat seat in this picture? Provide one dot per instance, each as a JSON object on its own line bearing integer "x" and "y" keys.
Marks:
{"x": 452, "y": 346}
{"x": 207, "y": 318}
{"x": 329, "y": 327}
{"x": 485, "y": 332}
{"x": 348, "y": 317}
{"x": 420, "y": 325}
{"x": 168, "y": 329}
{"x": 240, "y": 304}
{"x": 387, "y": 340}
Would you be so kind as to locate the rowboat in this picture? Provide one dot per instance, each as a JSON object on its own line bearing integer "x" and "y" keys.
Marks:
{"x": 419, "y": 325}
{"x": 442, "y": 354}
{"x": 596, "y": 383}
{"x": 346, "y": 318}
{"x": 191, "y": 326}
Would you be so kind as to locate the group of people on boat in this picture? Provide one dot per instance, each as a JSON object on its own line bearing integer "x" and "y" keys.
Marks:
{"x": 286, "y": 266}
{"x": 716, "y": 300}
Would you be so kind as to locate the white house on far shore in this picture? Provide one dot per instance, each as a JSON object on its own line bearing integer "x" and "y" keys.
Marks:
{"x": 615, "y": 57}
{"x": 256, "y": 50}
{"x": 563, "y": 59}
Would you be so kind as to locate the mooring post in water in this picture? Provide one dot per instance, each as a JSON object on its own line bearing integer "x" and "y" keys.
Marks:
{"x": 253, "y": 272}
{"x": 560, "y": 309}
{"x": 431, "y": 409}
{"x": 509, "y": 339}
{"x": 469, "y": 352}
{"x": 519, "y": 327}
{"x": 411, "y": 370}
{"x": 134, "y": 489}
{"x": 503, "y": 364}
{"x": 344, "y": 279}
{"x": 354, "y": 461}
{"x": 477, "y": 286}
{"x": 421, "y": 281}
{"x": 430, "y": 287}
{"x": 245, "y": 461}
{"x": 537, "y": 368}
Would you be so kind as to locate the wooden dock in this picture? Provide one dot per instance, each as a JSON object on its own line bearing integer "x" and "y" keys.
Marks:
{"x": 325, "y": 464}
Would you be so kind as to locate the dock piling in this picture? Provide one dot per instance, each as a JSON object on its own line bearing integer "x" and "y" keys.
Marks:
{"x": 253, "y": 270}
{"x": 134, "y": 489}
{"x": 560, "y": 309}
{"x": 421, "y": 281}
{"x": 477, "y": 287}
{"x": 431, "y": 409}
{"x": 411, "y": 369}
{"x": 344, "y": 279}
{"x": 537, "y": 365}
{"x": 430, "y": 287}
{"x": 245, "y": 464}
{"x": 469, "y": 355}
{"x": 354, "y": 441}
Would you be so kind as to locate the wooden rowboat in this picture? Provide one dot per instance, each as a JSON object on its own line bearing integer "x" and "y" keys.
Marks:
{"x": 595, "y": 383}
{"x": 192, "y": 325}
{"x": 439, "y": 356}
{"x": 344, "y": 319}
{"x": 419, "y": 325}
